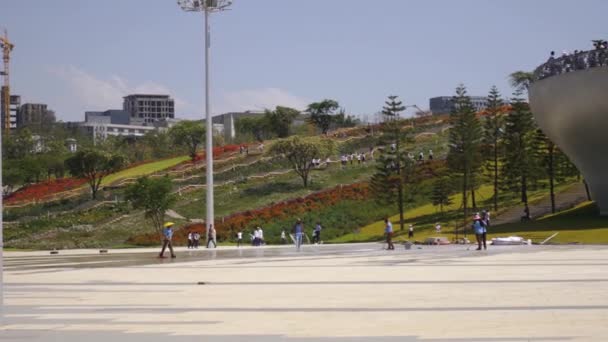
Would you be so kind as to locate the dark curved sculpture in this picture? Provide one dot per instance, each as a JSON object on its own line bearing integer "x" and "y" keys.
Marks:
{"x": 571, "y": 107}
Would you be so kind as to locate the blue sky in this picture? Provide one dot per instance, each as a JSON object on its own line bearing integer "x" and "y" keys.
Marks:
{"x": 78, "y": 55}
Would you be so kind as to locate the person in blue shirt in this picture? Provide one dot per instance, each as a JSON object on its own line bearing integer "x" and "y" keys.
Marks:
{"x": 479, "y": 228}
{"x": 388, "y": 230}
{"x": 298, "y": 232}
{"x": 167, "y": 236}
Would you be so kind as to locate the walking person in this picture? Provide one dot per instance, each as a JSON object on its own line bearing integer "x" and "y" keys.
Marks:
{"x": 190, "y": 240}
{"x": 298, "y": 232}
{"x": 239, "y": 238}
{"x": 480, "y": 231}
{"x": 410, "y": 231}
{"x": 316, "y": 238}
{"x": 197, "y": 239}
{"x": 388, "y": 231}
{"x": 283, "y": 237}
{"x": 167, "y": 237}
{"x": 261, "y": 235}
{"x": 211, "y": 237}
{"x": 256, "y": 237}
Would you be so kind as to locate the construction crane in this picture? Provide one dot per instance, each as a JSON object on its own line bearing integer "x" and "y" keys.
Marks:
{"x": 6, "y": 47}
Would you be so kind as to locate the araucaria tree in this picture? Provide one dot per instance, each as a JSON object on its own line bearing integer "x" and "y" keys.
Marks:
{"x": 188, "y": 134}
{"x": 520, "y": 166}
{"x": 300, "y": 152}
{"x": 442, "y": 188}
{"x": 154, "y": 197}
{"x": 493, "y": 132}
{"x": 464, "y": 155}
{"x": 94, "y": 165}
{"x": 393, "y": 165}
{"x": 321, "y": 114}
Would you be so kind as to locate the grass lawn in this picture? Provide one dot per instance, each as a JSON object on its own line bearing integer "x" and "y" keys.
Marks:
{"x": 145, "y": 169}
{"x": 425, "y": 216}
{"x": 580, "y": 224}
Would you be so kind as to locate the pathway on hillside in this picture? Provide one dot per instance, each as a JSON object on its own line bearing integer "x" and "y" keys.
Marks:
{"x": 566, "y": 199}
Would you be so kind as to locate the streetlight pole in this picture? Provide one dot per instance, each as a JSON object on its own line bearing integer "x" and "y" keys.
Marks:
{"x": 207, "y": 6}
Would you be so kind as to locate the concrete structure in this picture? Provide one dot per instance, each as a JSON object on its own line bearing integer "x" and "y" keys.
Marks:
{"x": 325, "y": 293}
{"x": 34, "y": 114}
{"x": 148, "y": 108}
{"x": 225, "y": 122}
{"x": 445, "y": 104}
{"x": 572, "y": 109}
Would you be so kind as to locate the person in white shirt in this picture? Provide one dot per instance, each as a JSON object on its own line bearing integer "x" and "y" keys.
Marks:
{"x": 239, "y": 238}
{"x": 261, "y": 235}
{"x": 410, "y": 231}
{"x": 190, "y": 240}
{"x": 438, "y": 227}
{"x": 283, "y": 237}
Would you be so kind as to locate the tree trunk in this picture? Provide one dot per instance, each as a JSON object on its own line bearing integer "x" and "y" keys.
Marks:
{"x": 495, "y": 176}
{"x": 465, "y": 200}
{"x": 473, "y": 203}
{"x": 587, "y": 190}
{"x": 400, "y": 201}
{"x": 524, "y": 190}
{"x": 551, "y": 178}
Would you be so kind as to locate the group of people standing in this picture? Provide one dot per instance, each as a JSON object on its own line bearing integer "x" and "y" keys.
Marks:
{"x": 194, "y": 239}
{"x": 350, "y": 158}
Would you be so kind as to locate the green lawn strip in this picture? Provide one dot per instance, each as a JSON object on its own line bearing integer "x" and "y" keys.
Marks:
{"x": 424, "y": 217}
{"x": 145, "y": 169}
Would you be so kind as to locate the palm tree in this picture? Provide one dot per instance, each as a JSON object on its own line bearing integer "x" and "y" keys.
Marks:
{"x": 521, "y": 80}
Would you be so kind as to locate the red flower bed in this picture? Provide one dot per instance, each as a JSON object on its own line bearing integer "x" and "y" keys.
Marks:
{"x": 43, "y": 189}
{"x": 229, "y": 225}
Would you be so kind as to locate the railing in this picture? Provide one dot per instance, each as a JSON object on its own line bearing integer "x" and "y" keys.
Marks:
{"x": 572, "y": 62}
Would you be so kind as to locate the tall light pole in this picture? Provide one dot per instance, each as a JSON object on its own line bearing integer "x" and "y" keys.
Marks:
{"x": 207, "y": 7}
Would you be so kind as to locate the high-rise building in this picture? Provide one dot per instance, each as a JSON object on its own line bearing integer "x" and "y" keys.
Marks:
{"x": 148, "y": 108}
{"x": 34, "y": 114}
{"x": 445, "y": 104}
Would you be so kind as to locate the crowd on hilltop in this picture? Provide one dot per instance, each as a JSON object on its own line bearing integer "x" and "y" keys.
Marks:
{"x": 577, "y": 60}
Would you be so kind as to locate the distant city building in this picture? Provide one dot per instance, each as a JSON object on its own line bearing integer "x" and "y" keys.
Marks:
{"x": 148, "y": 108}
{"x": 112, "y": 116}
{"x": 14, "y": 109}
{"x": 14, "y": 103}
{"x": 34, "y": 114}
{"x": 445, "y": 104}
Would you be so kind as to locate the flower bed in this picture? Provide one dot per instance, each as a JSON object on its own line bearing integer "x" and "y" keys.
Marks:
{"x": 41, "y": 190}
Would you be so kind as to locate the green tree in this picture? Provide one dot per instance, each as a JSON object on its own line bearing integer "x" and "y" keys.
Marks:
{"x": 300, "y": 152}
{"x": 190, "y": 135}
{"x": 493, "y": 132}
{"x": 321, "y": 114}
{"x": 94, "y": 165}
{"x": 159, "y": 143}
{"x": 393, "y": 164}
{"x": 257, "y": 127}
{"x": 343, "y": 120}
{"x": 521, "y": 80}
{"x": 154, "y": 197}
{"x": 520, "y": 167}
{"x": 279, "y": 120}
{"x": 464, "y": 155}
{"x": 442, "y": 188}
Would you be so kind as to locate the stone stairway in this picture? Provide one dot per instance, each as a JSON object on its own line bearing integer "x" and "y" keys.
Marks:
{"x": 565, "y": 199}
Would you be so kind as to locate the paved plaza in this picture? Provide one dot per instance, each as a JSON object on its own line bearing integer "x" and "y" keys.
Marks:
{"x": 334, "y": 293}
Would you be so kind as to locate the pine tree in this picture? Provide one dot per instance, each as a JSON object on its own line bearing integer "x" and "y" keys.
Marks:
{"x": 547, "y": 154}
{"x": 464, "y": 155}
{"x": 493, "y": 132}
{"x": 388, "y": 182}
{"x": 520, "y": 167}
{"x": 442, "y": 188}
